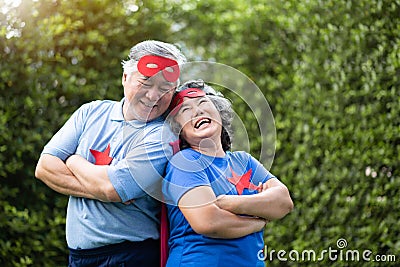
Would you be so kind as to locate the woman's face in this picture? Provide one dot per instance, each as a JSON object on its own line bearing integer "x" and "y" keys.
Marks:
{"x": 199, "y": 120}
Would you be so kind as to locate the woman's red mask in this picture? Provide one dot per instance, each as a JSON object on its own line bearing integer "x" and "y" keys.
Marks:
{"x": 177, "y": 101}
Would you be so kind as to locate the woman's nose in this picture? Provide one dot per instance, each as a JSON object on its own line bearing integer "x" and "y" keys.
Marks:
{"x": 198, "y": 111}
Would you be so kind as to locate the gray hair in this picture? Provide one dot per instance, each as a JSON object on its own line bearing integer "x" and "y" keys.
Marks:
{"x": 223, "y": 106}
{"x": 151, "y": 47}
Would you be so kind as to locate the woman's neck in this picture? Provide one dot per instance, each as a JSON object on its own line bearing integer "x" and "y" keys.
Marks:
{"x": 209, "y": 148}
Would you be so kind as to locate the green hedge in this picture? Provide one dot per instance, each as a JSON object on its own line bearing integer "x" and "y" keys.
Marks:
{"x": 329, "y": 70}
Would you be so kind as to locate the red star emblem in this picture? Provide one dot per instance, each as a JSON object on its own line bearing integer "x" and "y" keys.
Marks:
{"x": 242, "y": 182}
{"x": 102, "y": 158}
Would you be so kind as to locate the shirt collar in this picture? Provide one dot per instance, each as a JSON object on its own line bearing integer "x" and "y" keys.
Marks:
{"x": 117, "y": 115}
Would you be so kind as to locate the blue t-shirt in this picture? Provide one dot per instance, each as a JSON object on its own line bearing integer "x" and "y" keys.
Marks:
{"x": 139, "y": 153}
{"x": 236, "y": 173}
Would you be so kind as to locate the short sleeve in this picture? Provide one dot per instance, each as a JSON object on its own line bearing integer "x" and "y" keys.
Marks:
{"x": 65, "y": 142}
{"x": 183, "y": 174}
{"x": 141, "y": 171}
{"x": 261, "y": 174}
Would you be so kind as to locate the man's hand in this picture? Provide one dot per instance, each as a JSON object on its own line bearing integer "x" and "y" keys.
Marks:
{"x": 129, "y": 202}
{"x": 262, "y": 187}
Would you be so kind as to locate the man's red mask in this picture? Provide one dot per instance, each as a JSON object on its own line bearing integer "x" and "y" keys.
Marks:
{"x": 150, "y": 65}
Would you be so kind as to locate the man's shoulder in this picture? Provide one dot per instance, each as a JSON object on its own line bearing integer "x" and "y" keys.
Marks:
{"x": 160, "y": 129}
{"x": 102, "y": 103}
{"x": 98, "y": 104}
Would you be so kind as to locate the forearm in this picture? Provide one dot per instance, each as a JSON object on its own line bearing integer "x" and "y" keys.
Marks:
{"x": 214, "y": 222}
{"x": 93, "y": 177}
{"x": 206, "y": 218}
{"x": 55, "y": 174}
{"x": 228, "y": 225}
{"x": 273, "y": 203}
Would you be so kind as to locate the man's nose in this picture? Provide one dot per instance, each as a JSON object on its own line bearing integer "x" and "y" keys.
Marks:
{"x": 153, "y": 94}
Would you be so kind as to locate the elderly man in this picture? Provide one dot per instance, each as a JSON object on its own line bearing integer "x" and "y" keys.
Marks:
{"x": 108, "y": 156}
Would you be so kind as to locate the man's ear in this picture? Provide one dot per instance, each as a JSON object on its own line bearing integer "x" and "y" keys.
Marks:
{"x": 124, "y": 79}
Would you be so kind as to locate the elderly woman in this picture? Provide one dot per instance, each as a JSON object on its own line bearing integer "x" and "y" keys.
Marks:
{"x": 218, "y": 201}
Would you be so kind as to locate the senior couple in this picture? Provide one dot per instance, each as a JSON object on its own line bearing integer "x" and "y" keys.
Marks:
{"x": 110, "y": 156}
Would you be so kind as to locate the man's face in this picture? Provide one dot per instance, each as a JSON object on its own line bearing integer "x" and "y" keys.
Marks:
{"x": 146, "y": 98}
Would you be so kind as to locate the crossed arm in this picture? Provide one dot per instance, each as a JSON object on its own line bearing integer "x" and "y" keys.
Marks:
{"x": 77, "y": 177}
{"x": 220, "y": 217}
{"x": 206, "y": 218}
{"x": 272, "y": 202}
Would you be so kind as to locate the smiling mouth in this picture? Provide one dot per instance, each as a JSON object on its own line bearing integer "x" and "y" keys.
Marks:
{"x": 201, "y": 122}
{"x": 149, "y": 105}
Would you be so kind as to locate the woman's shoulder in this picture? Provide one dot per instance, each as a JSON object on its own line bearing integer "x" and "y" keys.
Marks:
{"x": 186, "y": 159}
{"x": 185, "y": 154}
{"x": 239, "y": 155}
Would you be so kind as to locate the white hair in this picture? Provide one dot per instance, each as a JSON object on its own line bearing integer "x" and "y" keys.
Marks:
{"x": 151, "y": 47}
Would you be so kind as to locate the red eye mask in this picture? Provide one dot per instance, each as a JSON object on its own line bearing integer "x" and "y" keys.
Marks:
{"x": 178, "y": 98}
{"x": 150, "y": 65}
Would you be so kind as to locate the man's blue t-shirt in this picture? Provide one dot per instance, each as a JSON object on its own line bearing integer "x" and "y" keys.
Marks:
{"x": 235, "y": 174}
{"x": 138, "y": 151}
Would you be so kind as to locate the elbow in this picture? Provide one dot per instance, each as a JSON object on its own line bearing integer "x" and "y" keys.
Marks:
{"x": 45, "y": 167}
{"x": 289, "y": 206}
{"x": 282, "y": 204}
{"x": 289, "y": 202}
{"x": 286, "y": 205}
{"x": 207, "y": 229}
{"x": 209, "y": 220}
{"x": 207, "y": 226}
{"x": 40, "y": 170}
